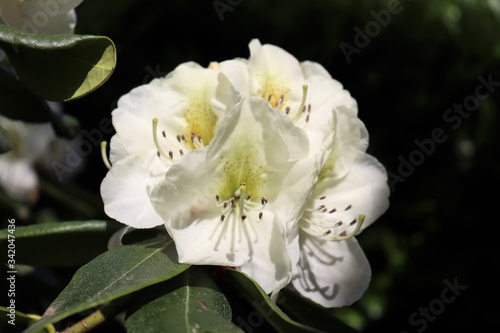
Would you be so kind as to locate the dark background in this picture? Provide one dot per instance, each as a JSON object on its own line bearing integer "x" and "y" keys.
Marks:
{"x": 443, "y": 214}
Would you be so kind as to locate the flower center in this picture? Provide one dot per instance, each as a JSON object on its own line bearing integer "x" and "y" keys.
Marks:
{"x": 239, "y": 215}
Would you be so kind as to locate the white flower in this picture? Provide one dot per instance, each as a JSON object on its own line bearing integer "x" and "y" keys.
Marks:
{"x": 352, "y": 191}
{"x": 40, "y": 16}
{"x": 237, "y": 201}
{"x": 350, "y": 195}
{"x": 188, "y": 104}
{"x": 31, "y": 145}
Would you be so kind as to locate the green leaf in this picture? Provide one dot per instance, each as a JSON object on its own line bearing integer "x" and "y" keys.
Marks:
{"x": 114, "y": 274}
{"x": 60, "y": 244}
{"x": 312, "y": 314}
{"x": 59, "y": 67}
{"x": 17, "y": 102}
{"x": 191, "y": 302}
{"x": 265, "y": 306}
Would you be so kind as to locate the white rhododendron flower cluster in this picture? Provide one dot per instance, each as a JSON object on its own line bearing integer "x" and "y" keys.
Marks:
{"x": 40, "y": 16}
{"x": 258, "y": 164}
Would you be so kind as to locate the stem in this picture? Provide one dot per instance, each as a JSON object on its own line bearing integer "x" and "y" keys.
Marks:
{"x": 87, "y": 324}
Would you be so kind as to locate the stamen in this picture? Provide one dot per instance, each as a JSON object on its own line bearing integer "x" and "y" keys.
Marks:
{"x": 213, "y": 65}
{"x": 222, "y": 217}
{"x": 344, "y": 235}
{"x": 287, "y": 110}
{"x": 155, "y": 138}
{"x": 348, "y": 207}
{"x": 302, "y": 103}
{"x": 242, "y": 190}
{"x": 260, "y": 215}
{"x": 278, "y": 105}
{"x": 104, "y": 156}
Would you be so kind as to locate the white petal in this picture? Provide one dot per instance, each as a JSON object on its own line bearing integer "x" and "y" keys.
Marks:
{"x": 270, "y": 265}
{"x": 364, "y": 190}
{"x": 274, "y": 72}
{"x": 311, "y": 68}
{"x": 351, "y": 138}
{"x": 237, "y": 73}
{"x": 332, "y": 274}
{"x": 126, "y": 192}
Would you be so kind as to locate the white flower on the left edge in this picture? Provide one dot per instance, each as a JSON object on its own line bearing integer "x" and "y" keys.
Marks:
{"x": 29, "y": 143}
{"x": 40, "y": 16}
{"x": 237, "y": 201}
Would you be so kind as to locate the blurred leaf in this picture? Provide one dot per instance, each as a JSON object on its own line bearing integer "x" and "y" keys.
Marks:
{"x": 65, "y": 125}
{"x": 60, "y": 244}
{"x": 265, "y": 306}
{"x": 18, "y": 103}
{"x": 191, "y": 302}
{"x": 5, "y": 144}
{"x": 114, "y": 274}
{"x": 59, "y": 67}
{"x": 21, "y": 320}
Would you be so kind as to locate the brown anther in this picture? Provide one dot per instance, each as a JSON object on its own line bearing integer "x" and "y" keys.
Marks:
{"x": 348, "y": 207}
{"x": 171, "y": 154}
{"x": 163, "y": 133}
{"x": 327, "y": 232}
{"x": 343, "y": 234}
{"x": 332, "y": 211}
{"x": 181, "y": 152}
{"x": 217, "y": 197}
{"x": 260, "y": 215}
{"x": 338, "y": 224}
{"x": 222, "y": 217}
{"x": 353, "y": 222}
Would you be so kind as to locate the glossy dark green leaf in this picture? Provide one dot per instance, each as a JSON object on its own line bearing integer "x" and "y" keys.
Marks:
{"x": 17, "y": 102}
{"x": 113, "y": 274}
{"x": 191, "y": 302}
{"x": 266, "y": 308}
{"x": 60, "y": 244}
{"x": 59, "y": 67}
{"x": 312, "y": 314}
